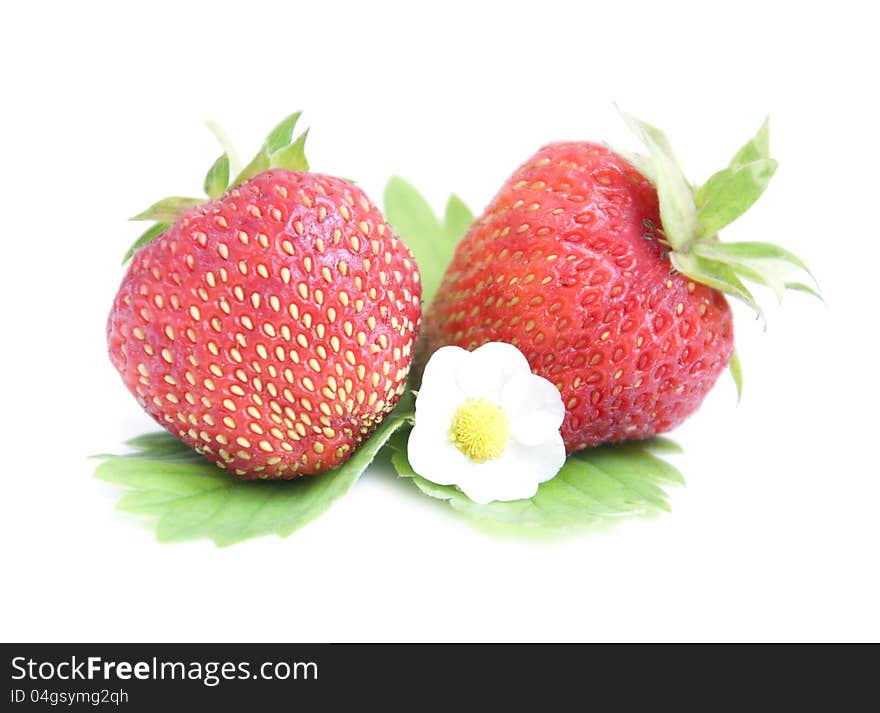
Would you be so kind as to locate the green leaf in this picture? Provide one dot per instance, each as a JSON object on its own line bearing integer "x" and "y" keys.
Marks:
{"x": 228, "y": 148}
{"x": 410, "y": 214}
{"x": 736, "y": 372}
{"x": 257, "y": 165}
{"x": 643, "y": 129}
{"x": 678, "y": 211}
{"x": 150, "y": 234}
{"x": 457, "y": 220}
{"x": 157, "y": 444}
{"x": 692, "y": 217}
{"x": 168, "y": 210}
{"x": 641, "y": 163}
{"x": 217, "y": 178}
{"x": 800, "y": 287}
{"x": 190, "y": 498}
{"x": 274, "y": 152}
{"x": 595, "y": 484}
{"x": 281, "y": 135}
{"x": 292, "y": 157}
{"x": 431, "y": 242}
{"x": 764, "y": 263}
{"x": 755, "y": 149}
{"x": 752, "y": 251}
{"x": 717, "y": 275}
{"x": 662, "y": 444}
{"x": 730, "y": 193}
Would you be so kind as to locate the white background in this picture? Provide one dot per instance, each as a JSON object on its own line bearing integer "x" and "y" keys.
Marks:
{"x": 775, "y": 535}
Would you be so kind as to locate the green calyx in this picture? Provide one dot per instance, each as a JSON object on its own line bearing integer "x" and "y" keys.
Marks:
{"x": 280, "y": 150}
{"x": 693, "y": 214}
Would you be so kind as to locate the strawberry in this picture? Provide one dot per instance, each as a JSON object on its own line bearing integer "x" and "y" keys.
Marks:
{"x": 605, "y": 270}
{"x": 270, "y": 328}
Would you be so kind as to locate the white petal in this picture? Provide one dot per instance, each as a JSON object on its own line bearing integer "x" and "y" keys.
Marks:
{"x": 542, "y": 461}
{"x": 435, "y": 408}
{"x": 502, "y": 479}
{"x": 434, "y": 457}
{"x": 497, "y": 480}
{"x": 441, "y": 369}
{"x": 439, "y": 396}
{"x": 533, "y": 407}
{"x": 488, "y": 367}
{"x": 516, "y": 475}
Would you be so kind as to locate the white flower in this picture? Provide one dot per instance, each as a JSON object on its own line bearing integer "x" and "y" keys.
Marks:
{"x": 485, "y": 423}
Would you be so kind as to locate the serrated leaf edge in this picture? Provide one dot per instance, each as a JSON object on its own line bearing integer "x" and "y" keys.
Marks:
{"x": 360, "y": 460}
{"x": 654, "y": 496}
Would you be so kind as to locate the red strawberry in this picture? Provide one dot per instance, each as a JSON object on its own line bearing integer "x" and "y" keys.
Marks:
{"x": 571, "y": 264}
{"x": 272, "y": 328}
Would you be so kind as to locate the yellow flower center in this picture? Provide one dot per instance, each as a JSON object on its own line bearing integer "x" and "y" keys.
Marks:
{"x": 479, "y": 430}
